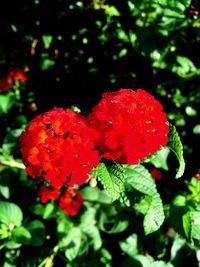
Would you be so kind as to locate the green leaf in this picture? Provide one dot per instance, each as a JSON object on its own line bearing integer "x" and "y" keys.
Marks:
{"x": 177, "y": 211}
{"x": 112, "y": 221}
{"x": 4, "y": 188}
{"x": 106, "y": 257}
{"x": 111, "y": 176}
{"x": 10, "y": 213}
{"x": 45, "y": 211}
{"x": 172, "y": 14}
{"x": 195, "y": 225}
{"x": 88, "y": 217}
{"x": 160, "y": 264}
{"x": 93, "y": 232}
{"x": 63, "y": 222}
{"x": 6, "y": 102}
{"x": 177, "y": 248}
{"x": 73, "y": 243}
{"x": 112, "y": 11}
{"x": 187, "y": 224}
{"x": 142, "y": 260}
{"x": 159, "y": 159}
{"x": 154, "y": 216}
{"x": 190, "y": 111}
{"x": 143, "y": 205}
{"x": 88, "y": 226}
{"x": 46, "y": 63}
{"x": 174, "y": 143}
{"x": 179, "y": 200}
{"x": 112, "y": 226}
{"x": 21, "y": 235}
{"x": 47, "y": 40}
{"x": 8, "y": 264}
{"x": 11, "y": 140}
{"x": 196, "y": 129}
{"x": 38, "y": 233}
{"x": 130, "y": 245}
{"x": 123, "y": 52}
{"x": 186, "y": 3}
{"x": 138, "y": 177}
{"x": 37, "y": 209}
{"x": 185, "y": 66}
{"x": 95, "y": 195}
{"x": 49, "y": 210}
{"x": 198, "y": 256}
{"x": 194, "y": 186}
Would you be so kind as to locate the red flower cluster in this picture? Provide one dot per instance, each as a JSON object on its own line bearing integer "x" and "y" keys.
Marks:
{"x": 156, "y": 174}
{"x": 13, "y": 75}
{"x": 131, "y": 125}
{"x": 197, "y": 175}
{"x": 48, "y": 193}
{"x": 59, "y": 147}
{"x": 16, "y": 75}
{"x": 62, "y": 147}
{"x": 71, "y": 201}
{"x": 5, "y": 86}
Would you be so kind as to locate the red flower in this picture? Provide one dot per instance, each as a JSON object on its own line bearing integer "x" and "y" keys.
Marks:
{"x": 59, "y": 147}
{"x": 16, "y": 75}
{"x": 71, "y": 201}
{"x": 132, "y": 125}
{"x": 156, "y": 174}
{"x": 48, "y": 193}
{"x": 5, "y": 86}
{"x": 197, "y": 175}
{"x": 13, "y": 75}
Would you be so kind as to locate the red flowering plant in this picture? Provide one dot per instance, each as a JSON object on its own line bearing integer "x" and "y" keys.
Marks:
{"x": 156, "y": 174}
{"x": 132, "y": 125}
{"x": 10, "y": 89}
{"x": 48, "y": 193}
{"x": 65, "y": 149}
{"x": 90, "y": 173}
{"x": 14, "y": 76}
{"x": 71, "y": 201}
{"x": 59, "y": 147}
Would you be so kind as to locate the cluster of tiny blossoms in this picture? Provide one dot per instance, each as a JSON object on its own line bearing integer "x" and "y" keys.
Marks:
{"x": 131, "y": 125}
{"x": 70, "y": 201}
{"x": 14, "y": 75}
{"x": 59, "y": 147}
{"x": 62, "y": 147}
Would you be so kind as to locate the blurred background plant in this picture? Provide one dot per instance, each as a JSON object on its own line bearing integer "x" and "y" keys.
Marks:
{"x": 67, "y": 53}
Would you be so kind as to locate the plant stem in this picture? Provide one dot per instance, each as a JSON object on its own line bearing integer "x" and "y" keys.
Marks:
{"x": 12, "y": 163}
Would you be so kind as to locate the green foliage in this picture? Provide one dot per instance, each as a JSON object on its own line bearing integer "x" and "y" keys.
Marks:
{"x": 6, "y": 102}
{"x": 112, "y": 177}
{"x": 159, "y": 159}
{"x": 175, "y": 145}
{"x": 10, "y": 214}
{"x": 139, "y": 178}
{"x": 38, "y": 233}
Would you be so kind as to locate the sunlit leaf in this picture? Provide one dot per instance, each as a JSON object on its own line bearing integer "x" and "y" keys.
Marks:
{"x": 111, "y": 176}
{"x": 174, "y": 143}
{"x": 10, "y": 213}
{"x": 38, "y": 233}
{"x": 140, "y": 179}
